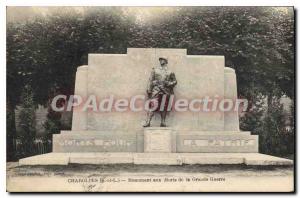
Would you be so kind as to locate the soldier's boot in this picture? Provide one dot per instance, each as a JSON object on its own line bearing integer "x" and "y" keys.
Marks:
{"x": 163, "y": 125}
{"x": 149, "y": 117}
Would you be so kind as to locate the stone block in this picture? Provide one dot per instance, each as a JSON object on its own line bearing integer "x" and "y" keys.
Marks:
{"x": 157, "y": 159}
{"x": 231, "y": 118}
{"x": 101, "y": 158}
{"x": 46, "y": 159}
{"x": 256, "y": 159}
{"x": 198, "y": 76}
{"x": 158, "y": 140}
{"x": 266, "y": 160}
{"x": 216, "y": 142}
{"x": 140, "y": 141}
{"x": 79, "y": 118}
{"x": 94, "y": 141}
{"x": 212, "y": 160}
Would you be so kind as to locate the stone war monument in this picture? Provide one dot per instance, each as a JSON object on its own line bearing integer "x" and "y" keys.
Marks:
{"x": 190, "y": 134}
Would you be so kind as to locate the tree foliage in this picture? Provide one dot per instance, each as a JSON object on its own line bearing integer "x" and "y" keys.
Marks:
{"x": 27, "y": 130}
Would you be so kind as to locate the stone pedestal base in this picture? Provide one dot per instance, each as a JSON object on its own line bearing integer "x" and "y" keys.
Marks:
{"x": 159, "y": 140}
{"x": 155, "y": 159}
{"x": 156, "y": 139}
{"x": 161, "y": 146}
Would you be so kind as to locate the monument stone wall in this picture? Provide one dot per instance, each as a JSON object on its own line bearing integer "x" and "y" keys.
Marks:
{"x": 126, "y": 75}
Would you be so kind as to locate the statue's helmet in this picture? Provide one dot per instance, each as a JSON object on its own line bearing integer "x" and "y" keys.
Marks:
{"x": 163, "y": 58}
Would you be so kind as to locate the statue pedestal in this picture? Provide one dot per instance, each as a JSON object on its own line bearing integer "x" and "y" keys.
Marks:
{"x": 155, "y": 145}
{"x": 159, "y": 140}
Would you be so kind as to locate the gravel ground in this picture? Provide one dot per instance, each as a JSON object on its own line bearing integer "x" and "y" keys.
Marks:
{"x": 128, "y": 177}
{"x": 75, "y": 169}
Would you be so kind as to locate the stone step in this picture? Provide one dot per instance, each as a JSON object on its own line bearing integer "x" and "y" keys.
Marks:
{"x": 179, "y": 132}
{"x": 155, "y": 159}
{"x": 181, "y": 141}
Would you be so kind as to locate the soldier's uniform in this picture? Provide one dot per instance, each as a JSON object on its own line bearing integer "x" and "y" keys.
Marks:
{"x": 161, "y": 82}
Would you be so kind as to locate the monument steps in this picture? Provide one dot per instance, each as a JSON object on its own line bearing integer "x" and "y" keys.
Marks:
{"x": 155, "y": 159}
{"x": 178, "y": 131}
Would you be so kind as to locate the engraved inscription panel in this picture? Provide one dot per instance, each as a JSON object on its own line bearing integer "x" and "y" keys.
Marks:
{"x": 157, "y": 141}
{"x": 236, "y": 142}
{"x": 90, "y": 141}
{"x": 224, "y": 142}
{"x": 95, "y": 142}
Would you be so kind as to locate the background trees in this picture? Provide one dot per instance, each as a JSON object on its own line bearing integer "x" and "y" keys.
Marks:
{"x": 258, "y": 42}
{"x": 27, "y": 121}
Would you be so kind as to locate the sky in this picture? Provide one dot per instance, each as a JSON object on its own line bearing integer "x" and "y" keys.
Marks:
{"x": 15, "y": 14}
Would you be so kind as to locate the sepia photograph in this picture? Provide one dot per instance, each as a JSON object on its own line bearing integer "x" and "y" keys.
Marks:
{"x": 150, "y": 99}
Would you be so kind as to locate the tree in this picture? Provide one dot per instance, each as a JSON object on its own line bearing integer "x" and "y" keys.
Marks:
{"x": 273, "y": 129}
{"x": 27, "y": 121}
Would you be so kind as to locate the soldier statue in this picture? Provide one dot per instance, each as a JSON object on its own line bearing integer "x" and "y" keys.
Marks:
{"x": 161, "y": 84}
